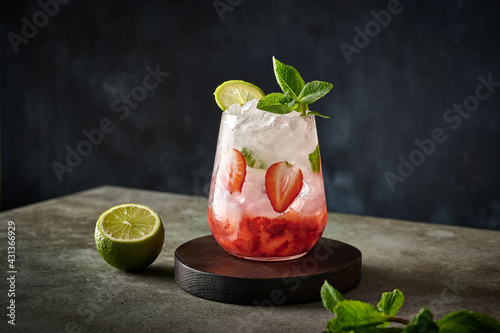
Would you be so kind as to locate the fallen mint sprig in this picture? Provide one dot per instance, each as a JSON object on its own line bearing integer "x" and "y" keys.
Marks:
{"x": 357, "y": 316}
{"x": 297, "y": 95}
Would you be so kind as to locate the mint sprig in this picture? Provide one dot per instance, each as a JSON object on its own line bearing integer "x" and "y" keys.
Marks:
{"x": 357, "y": 316}
{"x": 297, "y": 95}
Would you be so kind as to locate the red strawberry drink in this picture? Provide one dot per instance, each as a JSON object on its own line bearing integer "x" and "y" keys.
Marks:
{"x": 267, "y": 199}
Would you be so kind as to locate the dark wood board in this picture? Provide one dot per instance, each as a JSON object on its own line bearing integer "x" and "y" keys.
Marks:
{"x": 204, "y": 269}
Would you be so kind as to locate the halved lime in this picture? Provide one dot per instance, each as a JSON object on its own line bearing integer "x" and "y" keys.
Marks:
{"x": 236, "y": 91}
{"x": 129, "y": 236}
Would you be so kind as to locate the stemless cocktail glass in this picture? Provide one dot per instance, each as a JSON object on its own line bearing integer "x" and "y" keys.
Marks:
{"x": 267, "y": 198}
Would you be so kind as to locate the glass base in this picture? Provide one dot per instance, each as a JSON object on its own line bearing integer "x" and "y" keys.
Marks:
{"x": 271, "y": 258}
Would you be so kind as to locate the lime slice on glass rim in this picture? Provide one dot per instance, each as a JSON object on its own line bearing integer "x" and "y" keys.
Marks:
{"x": 236, "y": 91}
{"x": 129, "y": 236}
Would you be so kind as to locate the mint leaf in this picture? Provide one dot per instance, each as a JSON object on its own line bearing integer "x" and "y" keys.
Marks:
{"x": 330, "y": 296}
{"x": 313, "y": 91}
{"x": 292, "y": 102}
{"x": 317, "y": 114}
{"x": 352, "y": 315}
{"x": 252, "y": 160}
{"x": 468, "y": 322}
{"x": 288, "y": 78}
{"x": 390, "y": 303}
{"x": 422, "y": 323}
{"x": 271, "y": 103}
{"x": 315, "y": 160}
{"x": 287, "y": 98}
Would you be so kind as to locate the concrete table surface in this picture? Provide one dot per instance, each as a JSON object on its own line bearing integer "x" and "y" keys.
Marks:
{"x": 63, "y": 285}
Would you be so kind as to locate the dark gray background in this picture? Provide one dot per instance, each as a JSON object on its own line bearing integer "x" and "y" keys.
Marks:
{"x": 395, "y": 90}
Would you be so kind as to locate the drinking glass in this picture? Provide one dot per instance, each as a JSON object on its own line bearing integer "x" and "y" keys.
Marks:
{"x": 267, "y": 198}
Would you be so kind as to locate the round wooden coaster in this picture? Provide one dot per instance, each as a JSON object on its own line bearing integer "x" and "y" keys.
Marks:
{"x": 204, "y": 269}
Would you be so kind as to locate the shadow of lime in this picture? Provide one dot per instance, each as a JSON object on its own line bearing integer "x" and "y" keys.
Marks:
{"x": 153, "y": 271}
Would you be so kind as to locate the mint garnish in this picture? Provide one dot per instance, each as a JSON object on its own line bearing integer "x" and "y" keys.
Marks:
{"x": 297, "y": 95}
{"x": 252, "y": 160}
{"x": 357, "y": 316}
{"x": 314, "y": 159}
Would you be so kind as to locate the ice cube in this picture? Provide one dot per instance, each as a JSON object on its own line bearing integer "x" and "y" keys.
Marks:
{"x": 233, "y": 212}
{"x": 301, "y": 198}
{"x": 248, "y": 106}
{"x": 234, "y": 109}
{"x": 289, "y": 121}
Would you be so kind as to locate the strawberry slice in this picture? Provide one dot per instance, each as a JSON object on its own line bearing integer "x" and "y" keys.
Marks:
{"x": 283, "y": 184}
{"x": 233, "y": 170}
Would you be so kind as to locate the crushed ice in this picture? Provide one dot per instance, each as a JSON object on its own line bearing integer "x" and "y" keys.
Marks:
{"x": 252, "y": 119}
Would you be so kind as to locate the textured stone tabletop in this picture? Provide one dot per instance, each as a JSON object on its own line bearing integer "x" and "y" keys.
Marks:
{"x": 63, "y": 285}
